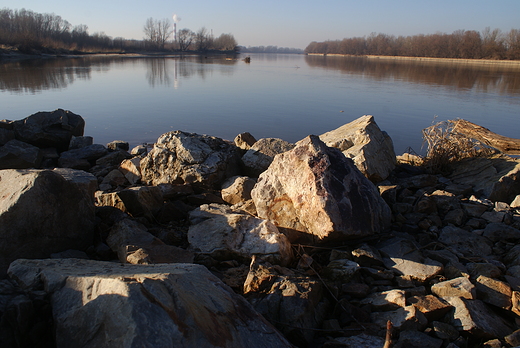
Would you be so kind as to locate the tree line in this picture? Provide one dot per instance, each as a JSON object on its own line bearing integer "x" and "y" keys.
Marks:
{"x": 158, "y": 32}
{"x": 29, "y": 31}
{"x": 468, "y": 44}
{"x": 270, "y": 49}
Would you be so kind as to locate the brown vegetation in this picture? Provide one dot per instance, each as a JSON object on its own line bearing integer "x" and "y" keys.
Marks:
{"x": 30, "y": 32}
{"x": 447, "y": 145}
{"x": 466, "y": 44}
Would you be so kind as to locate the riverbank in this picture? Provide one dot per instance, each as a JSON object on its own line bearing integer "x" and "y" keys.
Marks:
{"x": 13, "y": 53}
{"x": 508, "y": 63}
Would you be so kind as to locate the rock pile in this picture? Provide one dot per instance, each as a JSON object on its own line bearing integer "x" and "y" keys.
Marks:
{"x": 204, "y": 242}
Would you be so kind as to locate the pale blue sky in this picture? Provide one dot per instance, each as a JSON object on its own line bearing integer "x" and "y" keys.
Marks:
{"x": 285, "y": 23}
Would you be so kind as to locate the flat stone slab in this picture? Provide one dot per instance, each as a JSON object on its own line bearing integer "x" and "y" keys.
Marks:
{"x": 107, "y": 304}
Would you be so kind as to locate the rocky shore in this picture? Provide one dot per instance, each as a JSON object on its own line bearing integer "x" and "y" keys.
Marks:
{"x": 333, "y": 241}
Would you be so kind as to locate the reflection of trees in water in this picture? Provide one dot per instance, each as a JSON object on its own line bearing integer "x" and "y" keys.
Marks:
{"x": 161, "y": 70}
{"x": 33, "y": 76}
{"x": 492, "y": 78}
{"x": 157, "y": 72}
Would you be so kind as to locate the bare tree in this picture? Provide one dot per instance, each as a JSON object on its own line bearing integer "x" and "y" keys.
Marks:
{"x": 202, "y": 39}
{"x": 157, "y": 32}
{"x": 185, "y": 38}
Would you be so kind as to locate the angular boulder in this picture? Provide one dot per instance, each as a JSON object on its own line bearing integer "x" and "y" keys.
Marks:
{"x": 16, "y": 154}
{"x": 49, "y": 129}
{"x": 134, "y": 244}
{"x": 222, "y": 232}
{"x": 315, "y": 190}
{"x": 497, "y": 179}
{"x": 371, "y": 149}
{"x": 188, "y": 158}
{"x": 258, "y": 158}
{"x": 44, "y": 212}
{"x": 237, "y": 189}
{"x": 137, "y": 201}
{"x": 105, "y": 304}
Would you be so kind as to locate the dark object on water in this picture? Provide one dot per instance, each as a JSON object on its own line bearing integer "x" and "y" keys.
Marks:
{"x": 247, "y": 59}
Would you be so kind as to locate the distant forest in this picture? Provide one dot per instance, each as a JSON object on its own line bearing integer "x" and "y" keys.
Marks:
{"x": 468, "y": 44}
{"x": 32, "y": 32}
{"x": 269, "y": 49}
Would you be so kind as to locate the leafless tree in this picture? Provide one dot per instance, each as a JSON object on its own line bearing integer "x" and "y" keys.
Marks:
{"x": 157, "y": 32}
{"x": 203, "y": 39}
{"x": 185, "y": 38}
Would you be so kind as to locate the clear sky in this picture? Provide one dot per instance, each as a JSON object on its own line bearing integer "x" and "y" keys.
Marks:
{"x": 284, "y": 23}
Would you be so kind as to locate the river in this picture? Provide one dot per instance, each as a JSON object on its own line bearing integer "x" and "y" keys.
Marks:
{"x": 136, "y": 99}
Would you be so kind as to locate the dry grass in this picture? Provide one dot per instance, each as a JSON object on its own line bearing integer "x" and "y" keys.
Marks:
{"x": 445, "y": 146}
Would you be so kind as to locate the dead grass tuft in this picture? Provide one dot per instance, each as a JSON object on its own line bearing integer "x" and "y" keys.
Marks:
{"x": 446, "y": 146}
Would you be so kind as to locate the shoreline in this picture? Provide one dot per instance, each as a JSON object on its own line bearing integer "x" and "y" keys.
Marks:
{"x": 487, "y": 62}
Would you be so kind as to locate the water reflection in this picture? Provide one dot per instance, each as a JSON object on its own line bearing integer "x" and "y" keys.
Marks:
{"x": 35, "y": 76}
{"x": 482, "y": 78}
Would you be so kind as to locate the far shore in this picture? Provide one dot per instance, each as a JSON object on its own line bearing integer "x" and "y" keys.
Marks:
{"x": 508, "y": 63}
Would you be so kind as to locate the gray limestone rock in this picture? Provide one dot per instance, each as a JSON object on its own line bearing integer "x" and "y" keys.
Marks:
{"x": 44, "y": 212}
{"x": 188, "y": 158}
{"x": 105, "y": 304}
{"x": 218, "y": 230}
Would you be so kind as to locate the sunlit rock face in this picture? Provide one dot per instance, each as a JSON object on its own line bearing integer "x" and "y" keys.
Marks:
{"x": 315, "y": 190}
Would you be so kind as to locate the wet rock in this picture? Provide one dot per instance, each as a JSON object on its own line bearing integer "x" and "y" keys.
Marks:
{"x": 223, "y": 233}
{"x": 371, "y": 149}
{"x": 107, "y": 304}
{"x": 258, "y": 158}
{"x": 237, "y": 189}
{"x": 17, "y": 154}
{"x": 188, "y": 158}
{"x": 49, "y": 129}
{"x": 36, "y": 218}
{"x": 315, "y": 190}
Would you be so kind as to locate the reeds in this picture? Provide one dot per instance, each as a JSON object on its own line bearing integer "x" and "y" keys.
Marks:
{"x": 446, "y": 146}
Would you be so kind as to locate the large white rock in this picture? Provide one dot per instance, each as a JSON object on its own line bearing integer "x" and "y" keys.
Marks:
{"x": 218, "y": 230}
{"x": 105, "y": 304}
{"x": 315, "y": 190}
{"x": 44, "y": 212}
{"x": 189, "y": 158}
{"x": 371, "y": 149}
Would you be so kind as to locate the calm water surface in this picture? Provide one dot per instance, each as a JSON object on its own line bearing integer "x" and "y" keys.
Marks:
{"x": 283, "y": 96}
